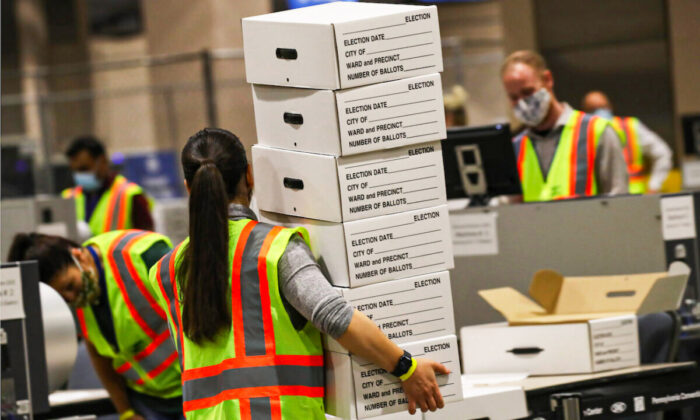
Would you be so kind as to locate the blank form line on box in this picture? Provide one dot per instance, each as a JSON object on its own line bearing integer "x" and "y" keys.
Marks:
{"x": 409, "y": 313}
{"x": 406, "y": 247}
{"x": 383, "y": 294}
{"x": 410, "y": 169}
{"x": 420, "y": 68}
{"x": 418, "y": 56}
{"x": 374, "y": 97}
{"x": 429, "y": 332}
{"x": 422, "y": 189}
{"x": 374, "y": 230}
{"x": 376, "y": 163}
{"x": 426, "y": 255}
{"x": 416, "y": 125}
{"x": 423, "y": 201}
{"x": 426, "y": 266}
{"x": 403, "y": 182}
{"x": 417, "y": 300}
{"x": 400, "y": 48}
{"x": 417, "y": 234}
{"x": 374, "y": 29}
{"x": 425, "y": 322}
{"x": 423, "y": 135}
{"x": 407, "y": 35}
{"x": 411, "y": 103}
{"x": 401, "y": 116}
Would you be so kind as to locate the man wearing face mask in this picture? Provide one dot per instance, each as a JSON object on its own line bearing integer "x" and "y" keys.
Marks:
{"x": 104, "y": 200}
{"x": 126, "y": 332}
{"x": 562, "y": 153}
{"x": 639, "y": 144}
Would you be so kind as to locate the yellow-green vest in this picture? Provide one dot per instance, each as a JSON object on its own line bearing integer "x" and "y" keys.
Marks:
{"x": 113, "y": 210}
{"x": 572, "y": 172}
{"x": 261, "y": 367}
{"x": 145, "y": 357}
{"x": 627, "y": 129}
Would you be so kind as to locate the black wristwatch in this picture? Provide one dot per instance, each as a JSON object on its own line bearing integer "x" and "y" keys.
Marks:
{"x": 403, "y": 365}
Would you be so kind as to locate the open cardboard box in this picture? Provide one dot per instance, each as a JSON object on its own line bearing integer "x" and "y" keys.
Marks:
{"x": 571, "y": 325}
{"x": 557, "y": 299}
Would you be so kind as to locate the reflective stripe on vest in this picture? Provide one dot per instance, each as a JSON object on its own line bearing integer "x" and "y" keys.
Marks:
{"x": 257, "y": 376}
{"x": 160, "y": 353}
{"x": 569, "y": 175}
{"x": 627, "y": 129}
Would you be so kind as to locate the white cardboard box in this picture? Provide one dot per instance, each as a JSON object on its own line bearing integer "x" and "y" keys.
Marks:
{"x": 492, "y": 402}
{"x": 551, "y": 349}
{"x": 341, "y": 45}
{"x": 410, "y": 309}
{"x": 347, "y": 122}
{"x": 359, "y": 389}
{"x": 337, "y": 189}
{"x": 382, "y": 248}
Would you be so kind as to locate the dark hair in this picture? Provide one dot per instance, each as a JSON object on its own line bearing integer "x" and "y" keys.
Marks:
{"x": 214, "y": 162}
{"x": 52, "y": 252}
{"x": 89, "y": 143}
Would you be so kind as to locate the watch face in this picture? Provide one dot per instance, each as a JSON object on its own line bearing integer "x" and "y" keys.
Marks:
{"x": 403, "y": 365}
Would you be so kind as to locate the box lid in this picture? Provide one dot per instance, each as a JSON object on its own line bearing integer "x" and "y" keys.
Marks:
{"x": 335, "y": 12}
{"x": 558, "y": 299}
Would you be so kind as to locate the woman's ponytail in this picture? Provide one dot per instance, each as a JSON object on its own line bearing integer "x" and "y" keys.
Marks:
{"x": 213, "y": 162}
{"x": 205, "y": 308}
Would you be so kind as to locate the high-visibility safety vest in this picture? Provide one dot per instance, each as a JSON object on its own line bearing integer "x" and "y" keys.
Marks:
{"x": 628, "y": 130}
{"x": 113, "y": 210}
{"x": 261, "y": 367}
{"x": 145, "y": 357}
{"x": 572, "y": 172}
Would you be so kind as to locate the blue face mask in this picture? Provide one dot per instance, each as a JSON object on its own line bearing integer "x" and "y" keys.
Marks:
{"x": 603, "y": 113}
{"x": 87, "y": 180}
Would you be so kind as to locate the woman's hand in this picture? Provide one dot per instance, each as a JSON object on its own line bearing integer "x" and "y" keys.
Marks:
{"x": 422, "y": 389}
{"x": 136, "y": 417}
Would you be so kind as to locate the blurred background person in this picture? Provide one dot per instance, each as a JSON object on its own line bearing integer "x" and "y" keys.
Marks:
{"x": 552, "y": 152}
{"x": 456, "y": 106}
{"x": 649, "y": 159}
{"x": 104, "y": 200}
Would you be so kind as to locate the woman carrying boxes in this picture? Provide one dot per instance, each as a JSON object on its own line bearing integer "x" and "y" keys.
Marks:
{"x": 246, "y": 301}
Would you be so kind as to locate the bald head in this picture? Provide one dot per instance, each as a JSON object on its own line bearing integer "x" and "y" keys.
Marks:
{"x": 595, "y": 100}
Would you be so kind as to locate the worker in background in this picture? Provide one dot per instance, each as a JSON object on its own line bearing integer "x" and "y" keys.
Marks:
{"x": 562, "y": 153}
{"x": 104, "y": 200}
{"x": 260, "y": 286}
{"x": 639, "y": 144}
{"x": 126, "y": 333}
{"x": 455, "y": 102}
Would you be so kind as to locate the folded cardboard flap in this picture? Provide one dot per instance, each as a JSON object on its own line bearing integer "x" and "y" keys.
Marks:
{"x": 559, "y": 299}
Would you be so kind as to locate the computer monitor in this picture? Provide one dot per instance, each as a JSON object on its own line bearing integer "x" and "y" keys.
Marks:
{"x": 480, "y": 163}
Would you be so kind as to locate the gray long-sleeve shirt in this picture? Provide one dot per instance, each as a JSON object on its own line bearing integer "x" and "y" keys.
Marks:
{"x": 610, "y": 166}
{"x": 304, "y": 287}
{"x": 657, "y": 152}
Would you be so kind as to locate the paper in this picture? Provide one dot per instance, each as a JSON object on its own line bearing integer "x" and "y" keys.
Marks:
{"x": 11, "y": 306}
{"x": 678, "y": 218}
{"x": 691, "y": 174}
{"x": 474, "y": 234}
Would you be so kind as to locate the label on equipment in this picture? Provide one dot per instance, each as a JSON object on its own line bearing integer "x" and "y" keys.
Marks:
{"x": 392, "y": 181}
{"x": 474, "y": 234}
{"x": 397, "y": 47}
{"x": 11, "y": 304}
{"x": 378, "y": 392}
{"x": 412, "y": 309}
{"x": 678, "y": 217}
{"x": 401, "y": 245}
{"x": 391, "y": 114}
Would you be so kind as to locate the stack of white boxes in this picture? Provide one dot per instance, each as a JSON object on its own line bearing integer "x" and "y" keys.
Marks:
{"x": 349, "y": 116}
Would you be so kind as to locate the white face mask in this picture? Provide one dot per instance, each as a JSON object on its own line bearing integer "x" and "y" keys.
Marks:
{"x": 532, "y": 110}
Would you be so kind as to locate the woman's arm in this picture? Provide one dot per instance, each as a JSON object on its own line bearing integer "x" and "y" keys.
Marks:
{"x": 111, "y": 380}
{"x": 363, "y": 338}
{"x": 303, "y": 284}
